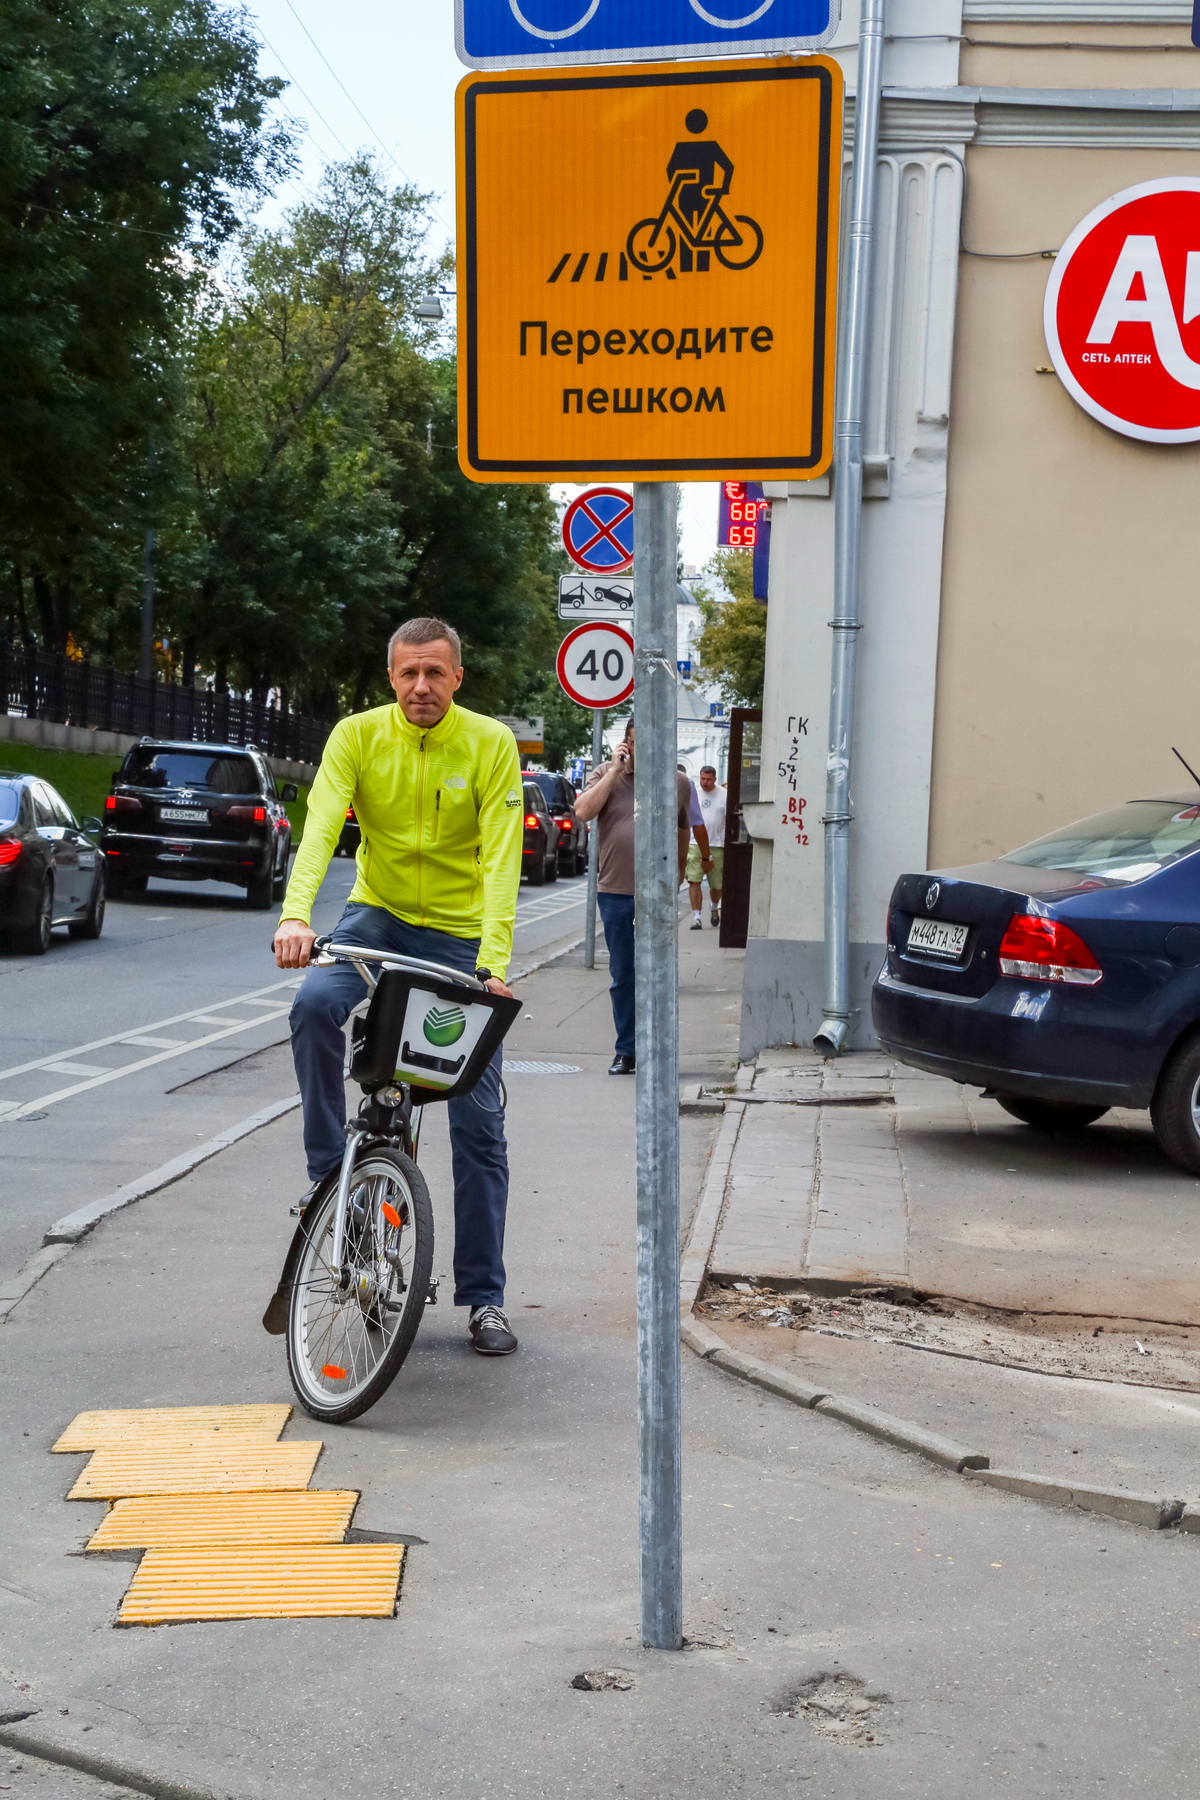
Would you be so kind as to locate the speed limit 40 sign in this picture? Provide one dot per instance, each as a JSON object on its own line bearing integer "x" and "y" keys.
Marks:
{"x": 595, "y": 664}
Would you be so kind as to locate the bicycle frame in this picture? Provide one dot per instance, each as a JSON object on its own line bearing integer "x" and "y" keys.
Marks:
{"x": 694, "y": 236}
{"x": 361, "y": 959}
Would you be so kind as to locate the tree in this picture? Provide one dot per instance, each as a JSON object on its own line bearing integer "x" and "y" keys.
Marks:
{"x": 126, "y": 129}
{"x": 732, "y": 647}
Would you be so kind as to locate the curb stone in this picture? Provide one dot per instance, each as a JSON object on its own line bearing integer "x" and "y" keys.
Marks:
{"x": 105, "y": 1768}
{"x": 1150, "y": 1510}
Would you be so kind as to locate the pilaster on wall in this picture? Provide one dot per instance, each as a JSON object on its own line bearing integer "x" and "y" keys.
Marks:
{"x": 919, "y": 203}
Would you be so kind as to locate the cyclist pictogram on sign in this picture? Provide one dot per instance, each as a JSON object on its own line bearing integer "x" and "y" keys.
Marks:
{"x": 693, "y": 221}
{"x": 597, "y": 531}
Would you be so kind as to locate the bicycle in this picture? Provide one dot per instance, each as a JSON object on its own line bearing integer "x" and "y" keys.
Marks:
{"x": 359, "y": 1270}
{"x": 714, "y": 231}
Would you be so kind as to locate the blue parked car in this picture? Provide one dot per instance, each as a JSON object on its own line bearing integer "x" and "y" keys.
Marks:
{"x": 1063, "y": 978}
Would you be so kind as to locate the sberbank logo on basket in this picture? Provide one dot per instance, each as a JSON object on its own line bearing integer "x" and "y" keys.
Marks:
{"x": 445, "y": 1024}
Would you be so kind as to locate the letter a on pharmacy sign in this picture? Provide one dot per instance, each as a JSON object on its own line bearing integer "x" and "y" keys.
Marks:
{"x": 648, "y": 271}
{"x": 1122, "y": 314}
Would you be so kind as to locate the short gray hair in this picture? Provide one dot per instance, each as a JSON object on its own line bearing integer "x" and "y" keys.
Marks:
{"x": 426, "y": 631}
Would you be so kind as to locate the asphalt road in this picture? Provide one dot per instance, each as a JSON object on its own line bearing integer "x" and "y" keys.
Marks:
{"x": 105, "y": 1047}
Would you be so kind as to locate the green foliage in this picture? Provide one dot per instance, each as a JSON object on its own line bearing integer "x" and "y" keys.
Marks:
{"x": 125, "y": 127}
{"x": 732, "y": 647}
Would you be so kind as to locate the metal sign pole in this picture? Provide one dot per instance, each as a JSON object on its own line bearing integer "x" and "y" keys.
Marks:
{"x": 656, "y": 886}
{"x": 589, "y": 922}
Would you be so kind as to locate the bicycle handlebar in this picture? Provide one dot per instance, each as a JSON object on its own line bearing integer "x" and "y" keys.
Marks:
{"x": 326, "y": 952}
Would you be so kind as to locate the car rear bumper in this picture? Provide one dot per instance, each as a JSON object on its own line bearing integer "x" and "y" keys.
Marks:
{"x": 1034, "y": 1039}
{"x": 186, "y": 859}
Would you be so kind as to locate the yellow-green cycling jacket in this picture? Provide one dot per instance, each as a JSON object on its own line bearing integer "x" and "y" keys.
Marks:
{"x": 442, "y": 819}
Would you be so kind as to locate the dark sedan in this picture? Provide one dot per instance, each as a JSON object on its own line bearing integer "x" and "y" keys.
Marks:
{"x": 1064, "y": 978}
{"x": 197, "y": 812}
{"x": 539, "y": 847}
{"x": 51, "y": 872}
{"x": 560, "y": 798}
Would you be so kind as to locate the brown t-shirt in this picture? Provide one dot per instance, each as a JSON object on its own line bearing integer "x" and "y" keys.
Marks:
{"x": 615, "y": 820}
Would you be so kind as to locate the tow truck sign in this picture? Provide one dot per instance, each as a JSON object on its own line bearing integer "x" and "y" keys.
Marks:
{"x": 1122, "y": 312}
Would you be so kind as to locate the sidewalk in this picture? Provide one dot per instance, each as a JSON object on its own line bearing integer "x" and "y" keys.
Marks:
{"x": 1004, "y": 1647}
{"x": 1077, "y": 1257}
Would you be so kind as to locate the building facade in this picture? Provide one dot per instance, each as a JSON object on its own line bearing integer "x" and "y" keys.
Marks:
{"x": 1030, "y": 636}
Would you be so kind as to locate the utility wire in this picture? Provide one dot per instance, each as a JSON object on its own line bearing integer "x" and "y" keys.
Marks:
{"x": 358, "y": 109}
{"x": 325, "y": 122}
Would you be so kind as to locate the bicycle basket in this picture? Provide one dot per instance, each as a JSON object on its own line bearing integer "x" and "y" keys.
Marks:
{"x": 436, "y": 1035}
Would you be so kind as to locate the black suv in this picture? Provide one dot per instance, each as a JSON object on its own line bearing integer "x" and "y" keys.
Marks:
{"x": 572, "y": 833}
{"x": 196, "y": 812}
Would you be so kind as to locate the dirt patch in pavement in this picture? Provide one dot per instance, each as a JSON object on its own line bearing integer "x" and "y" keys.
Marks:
{"x": 1142, "y": 1352}
{"x": 837, "y": 1706}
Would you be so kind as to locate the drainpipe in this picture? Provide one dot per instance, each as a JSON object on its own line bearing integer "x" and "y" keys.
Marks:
{"x": 847, "y": 525}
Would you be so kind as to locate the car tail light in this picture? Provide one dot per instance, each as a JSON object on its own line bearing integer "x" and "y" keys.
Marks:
{"x": 350, "y": 812}
{"x": 531, "y": 820}
{"x": 564, "y": 824}
{"x": 9, "y": 851}
{"x": 257, "y": 814}
{"x": 1046, "y": 950}
{"x": 122, "y": 803}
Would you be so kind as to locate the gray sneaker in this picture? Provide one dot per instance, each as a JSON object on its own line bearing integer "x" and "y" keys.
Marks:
{"x": 491, "y": 1333}
{"x": 716, "y": 915}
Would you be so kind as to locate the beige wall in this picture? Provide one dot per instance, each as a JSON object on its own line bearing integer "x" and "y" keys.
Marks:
{"x": 1069, "y": 651}
{"x": 1036, "y": 60}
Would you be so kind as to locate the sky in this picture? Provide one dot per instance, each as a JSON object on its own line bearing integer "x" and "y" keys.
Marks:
{"x": 381, "y": 74}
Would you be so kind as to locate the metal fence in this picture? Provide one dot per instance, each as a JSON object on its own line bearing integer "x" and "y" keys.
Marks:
{"x": 41, "y": 684}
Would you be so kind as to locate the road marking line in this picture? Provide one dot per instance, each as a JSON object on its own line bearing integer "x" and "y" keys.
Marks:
{"x": 66, "y": 1068}
{"x": 120, "y": 1037}
{"x": 157, "y": 1043}
{"x": 143, "y": 1062}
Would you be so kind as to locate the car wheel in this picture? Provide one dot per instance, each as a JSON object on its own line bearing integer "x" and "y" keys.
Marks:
{"x": 1059, "y": 1117}
{"x": 552, "y": 867}
{"x": 35, "y": 939}
{"x": 537, "y": 870}
{"x": 92, "y": 922}
{"x": 1175, "y": 1108}
{"x": 260, "y": 891}
{"x": 135, "y": 884}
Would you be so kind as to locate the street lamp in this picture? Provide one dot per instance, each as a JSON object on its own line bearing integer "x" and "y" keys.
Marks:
{"x": 429, "y": 309}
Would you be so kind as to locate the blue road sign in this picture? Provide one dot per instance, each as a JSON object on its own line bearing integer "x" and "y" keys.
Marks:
{"x": 597, "y": 530}
{"x": 510, "y": 34}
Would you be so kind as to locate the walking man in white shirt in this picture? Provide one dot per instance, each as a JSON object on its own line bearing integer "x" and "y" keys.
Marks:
{"x": 712, "y": 808}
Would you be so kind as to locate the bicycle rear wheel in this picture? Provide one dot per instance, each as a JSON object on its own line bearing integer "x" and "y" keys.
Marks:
{"x": 347, "y": 1339}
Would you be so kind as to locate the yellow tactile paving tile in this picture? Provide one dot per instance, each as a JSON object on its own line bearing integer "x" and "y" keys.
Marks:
{"x": 171, "y": 1426}
{"x": 308, "y": 1582}
{"x": 181, "y": 1521}
{"x": 219, "y": 1468}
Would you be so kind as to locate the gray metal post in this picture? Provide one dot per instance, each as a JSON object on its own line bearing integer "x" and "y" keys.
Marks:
{"x": 854, "y": 324}
{"x": 656, "y": 887}
{"x": 146, "y": 661}
{"x": 589, "y": 922}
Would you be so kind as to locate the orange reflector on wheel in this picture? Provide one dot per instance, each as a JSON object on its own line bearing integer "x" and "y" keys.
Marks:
{"x": 391, "y": 1215}
{"x": 333, "y": 1372}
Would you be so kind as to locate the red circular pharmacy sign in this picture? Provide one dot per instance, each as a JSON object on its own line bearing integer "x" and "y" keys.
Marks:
{"x": 1122, "y": 311}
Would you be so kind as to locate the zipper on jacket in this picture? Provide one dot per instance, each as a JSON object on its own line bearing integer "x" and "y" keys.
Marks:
{"x": 421, "y": 837}
{"x": 437, "y": 812}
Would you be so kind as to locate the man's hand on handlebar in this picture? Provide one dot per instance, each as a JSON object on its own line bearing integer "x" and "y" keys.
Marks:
{"x": 494, "y": 985}
{"x": 293, "y": 944}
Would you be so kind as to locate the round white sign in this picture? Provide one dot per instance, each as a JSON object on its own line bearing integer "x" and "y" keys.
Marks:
{"x": 595, "y": 664}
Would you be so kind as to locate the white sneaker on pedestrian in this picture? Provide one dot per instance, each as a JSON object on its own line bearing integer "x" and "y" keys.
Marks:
{"x": 697, "y": 922}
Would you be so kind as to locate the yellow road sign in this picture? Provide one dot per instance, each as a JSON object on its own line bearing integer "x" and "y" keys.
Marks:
{"x": 648, "y": 270}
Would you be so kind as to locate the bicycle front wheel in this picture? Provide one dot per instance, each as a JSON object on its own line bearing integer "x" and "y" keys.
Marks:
{"x": 349, "y": 1330}
{"x": 650, "y": 246}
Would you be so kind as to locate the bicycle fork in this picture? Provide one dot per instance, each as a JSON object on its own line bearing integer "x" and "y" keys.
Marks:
{"x": 337, "y": 1252}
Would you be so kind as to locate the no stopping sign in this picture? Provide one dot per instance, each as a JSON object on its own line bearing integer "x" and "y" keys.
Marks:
{"x": 595, "y": 664}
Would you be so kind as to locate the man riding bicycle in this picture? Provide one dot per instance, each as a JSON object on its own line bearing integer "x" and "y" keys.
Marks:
{"x": 436, "y": 790}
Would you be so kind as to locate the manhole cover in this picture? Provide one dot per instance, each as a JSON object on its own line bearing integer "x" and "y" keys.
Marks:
{"x": 540, "y": 1068}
